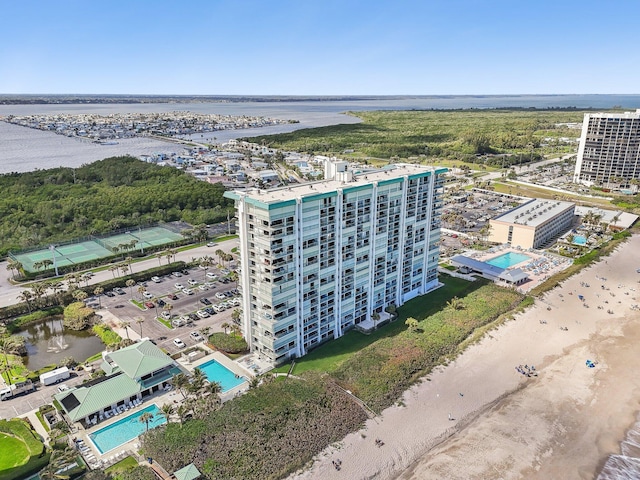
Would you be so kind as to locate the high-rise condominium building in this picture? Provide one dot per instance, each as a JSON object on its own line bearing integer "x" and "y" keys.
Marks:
{"x": 609, "y": 152}
{"x": 319, "y": 258}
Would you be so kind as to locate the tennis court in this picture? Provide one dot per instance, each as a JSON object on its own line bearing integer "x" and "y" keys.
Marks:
{"x": 71, "y": 254}
{"x": 95, "y": 248}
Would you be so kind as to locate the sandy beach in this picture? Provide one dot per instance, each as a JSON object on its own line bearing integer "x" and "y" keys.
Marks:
{"x": 562, "y": 423}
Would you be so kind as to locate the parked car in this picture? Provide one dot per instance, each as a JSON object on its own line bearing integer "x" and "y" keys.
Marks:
{"x": 148, "y": 295}
{"x": 211, "y": 244}
{"x": 211, "y": 275}
{"x": 110, "y": 294}
{"x": 156, "y": 279}
{"x": 172, "y": 296}
{"x": 149, "y": 304}
{"x": 166, "y": 315}
{"x": 203, "y": 287}
{"x": 178, "y": 343}
{"x": 202, "y": 314}
{"x": 185, "y": 272}
{"x": 193, "y": 317}
{"x": 220, "y": 295}
{"x": 178, "y": 286}
{"x": 176, "y": 274}
{"x": 192, "y": 282}
{"x": 196, "y": 336}
{"x": 119, "y": 291}
{"x": 205, "y": 301}
{"x": 187, "y": 291}
{"x": 210, "y": 310}
{"x": 160, "y": 302}
{"x": 178, "y": 322}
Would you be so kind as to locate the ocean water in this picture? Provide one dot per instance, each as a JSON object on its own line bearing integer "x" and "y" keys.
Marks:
{"x": 626, "y": 465}
{"x": 23, "y": 149}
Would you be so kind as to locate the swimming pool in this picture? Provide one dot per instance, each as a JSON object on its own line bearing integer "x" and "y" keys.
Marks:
{"x": 216, "y": 372}
{"x": 579, "y": 239}
{"x": 126, "y": 429}
{"x": 508, "y": 259}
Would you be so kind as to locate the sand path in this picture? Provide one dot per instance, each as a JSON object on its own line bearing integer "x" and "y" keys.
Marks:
{"x": 561, "y": 424}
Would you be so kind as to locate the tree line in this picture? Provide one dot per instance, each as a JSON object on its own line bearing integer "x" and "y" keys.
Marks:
{"x": 66, "y": 203}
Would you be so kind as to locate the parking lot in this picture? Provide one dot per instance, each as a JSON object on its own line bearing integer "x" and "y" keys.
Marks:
{"x": 181, "y": 296}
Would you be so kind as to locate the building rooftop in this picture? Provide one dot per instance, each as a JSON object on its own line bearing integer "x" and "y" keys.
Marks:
{"x": 534, "y": 213}
{"x": 275, "y": 195}
{"x": 140, "y": 359}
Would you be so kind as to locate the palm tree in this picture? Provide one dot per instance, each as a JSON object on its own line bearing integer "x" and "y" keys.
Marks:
{"x": 129, "y": 261}
{"x": 181, "y": 412}
{"x": 180, "y": 381}
{"x": 125, "y": 325}
{"x": 14, "y": 265}
{"x": 455, "y": 303}
{"x": 213, "y": 388}
{"x": 145, "y": 418}
{"x": 205, "y": 331}
{"x": 159, "y": 256}
{"x": 167, "y": 308}
{"x": 7, "y": 344}
{"x": 198, "y": 379}
{"x": 113, "y": 269}
{"x": 58, "y": 288}
{"x": 225, "y": 326}
{"x": 167, "y": 410}
{"x": 59, "y": 459}
{"x": 140, "y": 321}
{"x": 130, "y": 283}
{"x": 79, "y": 295}
{"x": 38, "y": 290}
{"x": 141, "y": 290}
{"x": 98, "y": 291}
{"x": 26, "y": 296}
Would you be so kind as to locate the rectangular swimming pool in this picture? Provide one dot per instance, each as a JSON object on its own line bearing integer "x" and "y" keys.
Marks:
{"x": 580, "y": 240}
{"x": 126, "y": 429}
{"x": 508, "y": 259}
{"x": 216, "y": 372}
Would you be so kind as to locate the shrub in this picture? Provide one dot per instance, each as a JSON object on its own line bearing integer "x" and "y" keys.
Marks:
{"x": 108, "y": 336}
{"x": 228, "y": 343}
{"x": 77, "y": 315}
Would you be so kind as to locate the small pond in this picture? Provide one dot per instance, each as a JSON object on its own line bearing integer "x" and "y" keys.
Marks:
{"x": 48, "y": 342}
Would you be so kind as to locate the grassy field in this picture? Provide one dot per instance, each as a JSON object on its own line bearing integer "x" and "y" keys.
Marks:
{"x": 21, "y": 452}
{"x": 437, "y": 134}
{"x": 529, "y": 191}
{"x": 330, "y": 356}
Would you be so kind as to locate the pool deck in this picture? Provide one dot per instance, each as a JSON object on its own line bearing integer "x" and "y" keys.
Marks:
{"x": 228, "y": 364}
{"x": 94, "y": 458}
{"x": 539, "y": 267}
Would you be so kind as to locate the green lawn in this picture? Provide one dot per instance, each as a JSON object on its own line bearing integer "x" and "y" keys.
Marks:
{"x": 331, "y": 355}
{"x": 13, "y": 452}
{"x": 126, "y": 463}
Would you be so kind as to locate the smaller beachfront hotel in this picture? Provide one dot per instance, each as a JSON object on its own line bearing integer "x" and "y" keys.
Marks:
{"x": 533, "y": 224}
{"x": 320, "y": 258}
{"x": 131, "y": 374}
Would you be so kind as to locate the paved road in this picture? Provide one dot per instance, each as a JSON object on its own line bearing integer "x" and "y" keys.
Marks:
{"x": 9, "y": 292}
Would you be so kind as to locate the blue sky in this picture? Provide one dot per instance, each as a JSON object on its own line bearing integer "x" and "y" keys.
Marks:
{"x": 319, "y": 47}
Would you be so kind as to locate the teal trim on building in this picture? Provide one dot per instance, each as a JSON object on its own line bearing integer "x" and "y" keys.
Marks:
{"x": 390, "y": 181}
{"x": 319, "y": 196}
{"x": 357, "y": 189}
{"x": 231, "y": 194}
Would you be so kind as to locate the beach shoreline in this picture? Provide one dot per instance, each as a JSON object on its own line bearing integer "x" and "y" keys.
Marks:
{"x": 562, "y": 421}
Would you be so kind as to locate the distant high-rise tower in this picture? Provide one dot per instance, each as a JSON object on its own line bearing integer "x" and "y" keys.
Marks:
{"x": 319, "y": 258}
{"x": 609, "y": 152}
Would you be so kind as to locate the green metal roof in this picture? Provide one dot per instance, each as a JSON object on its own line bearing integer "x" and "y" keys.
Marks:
{"x": 140, "y": 359}
{"x": 190, "y": 472}
{"x": 98, "y": 397}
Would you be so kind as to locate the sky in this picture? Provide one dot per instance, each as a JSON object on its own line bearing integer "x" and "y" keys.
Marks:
{"x": 319, "y": 47}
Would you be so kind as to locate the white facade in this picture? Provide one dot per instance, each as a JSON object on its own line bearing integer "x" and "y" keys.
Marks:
{"x": 319, "y": 258}
{"x": 609, "y": 152}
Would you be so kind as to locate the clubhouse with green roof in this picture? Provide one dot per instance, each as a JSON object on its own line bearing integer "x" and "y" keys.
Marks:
{"x": 131, "y": 374}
